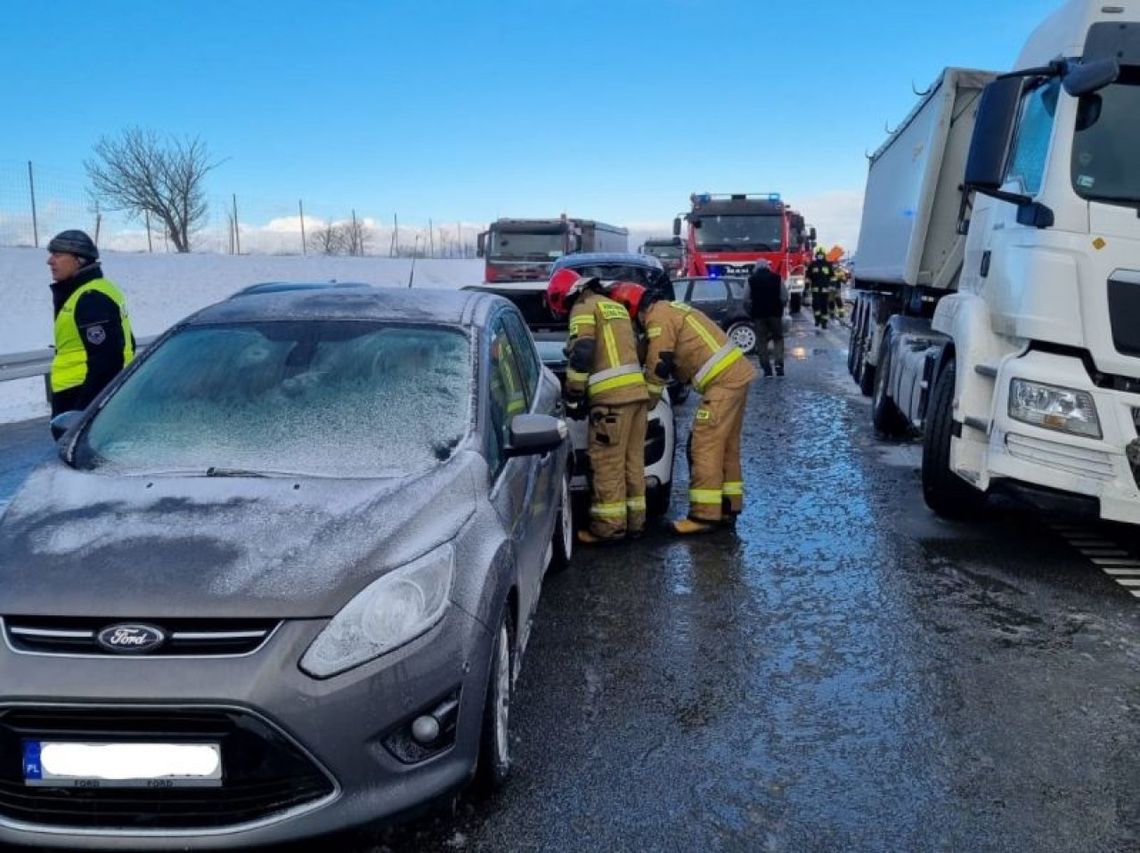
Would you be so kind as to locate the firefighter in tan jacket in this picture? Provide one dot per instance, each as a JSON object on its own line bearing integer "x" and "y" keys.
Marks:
{"x": 604, "y": 381}
{"x": 684, "y": 344}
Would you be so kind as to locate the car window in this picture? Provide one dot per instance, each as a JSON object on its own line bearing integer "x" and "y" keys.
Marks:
{"x": 523, "y": 346}
{"x": 319, "y": 398}
{"x": 507, "y": 396}
{"x": 706, "y": 290}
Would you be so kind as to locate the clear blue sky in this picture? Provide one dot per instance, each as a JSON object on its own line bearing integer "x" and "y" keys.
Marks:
{"x": 615, "y": 109}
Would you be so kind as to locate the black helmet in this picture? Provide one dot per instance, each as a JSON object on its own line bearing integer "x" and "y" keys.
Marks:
{"x": 74, "y": 242}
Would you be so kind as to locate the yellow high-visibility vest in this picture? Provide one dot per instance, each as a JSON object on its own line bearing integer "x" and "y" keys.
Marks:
{"x": 69, "y": 365}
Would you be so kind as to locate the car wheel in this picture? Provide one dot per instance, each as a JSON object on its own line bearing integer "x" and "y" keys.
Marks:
{"x": 743, "y": 335}
{"x": 494, "y": 740}
{"x": 563, "y": 542}
{"x": 795, "y": 303}
{"x": 944, "y": 491}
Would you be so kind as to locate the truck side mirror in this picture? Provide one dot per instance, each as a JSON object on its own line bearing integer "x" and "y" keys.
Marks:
{"x": 993, "y": 132}
{"x": 811, "y": 234}
{"x": 676, "y": 226}
{"x": 577, "y": 242}
{"x": 481, "y": 244}
{"x": 1086, "y": 78}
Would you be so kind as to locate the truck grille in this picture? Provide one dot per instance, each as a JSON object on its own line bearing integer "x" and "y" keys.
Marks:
{"x": 263, "y": 772}
{"x": 185, "y": 637}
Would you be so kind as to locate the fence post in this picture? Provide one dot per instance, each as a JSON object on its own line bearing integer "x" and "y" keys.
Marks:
{"x": 149, "y": 245}
{"x": 32, "y": 191}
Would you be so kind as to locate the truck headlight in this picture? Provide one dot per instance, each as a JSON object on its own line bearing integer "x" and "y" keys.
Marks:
{"x": 1052, "y": 407}
{"x": 386, "y": 614}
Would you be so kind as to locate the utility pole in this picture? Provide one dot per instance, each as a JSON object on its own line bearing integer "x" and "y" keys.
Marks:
{"x": 301, "y": 210}
{"x": 149, "y": 245}
{"x": 237, "y": 228}
{"x": 356, "y": 248}
{"x": 98, "y": 222}
{"x": 35, "y": 223}
{"x": 395, "y": 236}
{"x": 431, "y": 239}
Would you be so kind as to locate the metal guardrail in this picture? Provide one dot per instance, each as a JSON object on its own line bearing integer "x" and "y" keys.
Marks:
{"x": 37, "y": 362}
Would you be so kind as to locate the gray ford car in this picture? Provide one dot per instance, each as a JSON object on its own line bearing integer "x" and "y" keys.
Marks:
{"x": 280, "y": 580}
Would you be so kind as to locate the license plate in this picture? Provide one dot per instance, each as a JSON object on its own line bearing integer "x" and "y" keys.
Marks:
{"x": 122, "y": 765}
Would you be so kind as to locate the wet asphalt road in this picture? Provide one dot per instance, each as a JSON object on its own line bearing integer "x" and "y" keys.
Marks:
{"x": 842, "y": 672}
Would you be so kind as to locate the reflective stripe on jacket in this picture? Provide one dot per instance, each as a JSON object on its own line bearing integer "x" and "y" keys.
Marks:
{"x": 614, "y": 375}
{"x": 699, "y": 350}
{"x": 69, "y": 365}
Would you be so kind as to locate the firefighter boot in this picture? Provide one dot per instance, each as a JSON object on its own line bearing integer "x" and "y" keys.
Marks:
{"x": 688, "y": 527}
{"x": 585, "y": 537}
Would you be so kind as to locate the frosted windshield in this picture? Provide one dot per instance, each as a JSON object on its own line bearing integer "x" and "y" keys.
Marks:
{"x": 322, "y": 398}
{"x": 510, "y": 244}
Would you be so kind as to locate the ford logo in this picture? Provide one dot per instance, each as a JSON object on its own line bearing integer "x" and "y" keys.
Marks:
{"x": 131, "y": 638}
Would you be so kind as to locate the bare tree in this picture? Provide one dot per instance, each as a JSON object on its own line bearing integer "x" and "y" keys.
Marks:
{"x": 327, "y": 240}
{"x": 141, "y": 173}
{"x": 356, "y": 236}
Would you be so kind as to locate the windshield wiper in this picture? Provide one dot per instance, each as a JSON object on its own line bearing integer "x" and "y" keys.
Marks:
{"x": 214, "y": 471}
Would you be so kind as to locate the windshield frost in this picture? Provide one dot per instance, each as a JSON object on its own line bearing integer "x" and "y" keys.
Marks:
{"x": 740, "y": 233}
{"x": 325, "y": 398}
{"x": 1106, "y": 148}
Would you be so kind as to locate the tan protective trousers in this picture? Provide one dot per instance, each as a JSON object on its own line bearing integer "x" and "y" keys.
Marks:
{"x": 617, "y": 469}
{"x": 716, "y": 482}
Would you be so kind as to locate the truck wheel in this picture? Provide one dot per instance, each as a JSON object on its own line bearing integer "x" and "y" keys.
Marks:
{"x": 854, "y": 354}
{"x": 795, "y": 303}
{"x": 885, "y": 414}
{"x": 944, "y": 491}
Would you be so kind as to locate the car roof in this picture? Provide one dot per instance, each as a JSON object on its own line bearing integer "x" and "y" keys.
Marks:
{"x": 583, "y": 259}
{"x": 275, "y": 286}
{"x": 421, "y": 305}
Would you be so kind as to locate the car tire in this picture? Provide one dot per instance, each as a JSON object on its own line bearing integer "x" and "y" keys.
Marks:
{"x": 657, "y": 500}
{"x": 795, "y": 303}
{"x": 494, "y": 763}
{"x": 563, "y": 537}
{"x": 944, "y": 491}
{"x": 743, "y": 334}
{"x": 885, "y": 414}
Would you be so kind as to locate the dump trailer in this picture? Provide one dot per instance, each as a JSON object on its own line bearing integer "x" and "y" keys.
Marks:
{"x": 997, "y": 276}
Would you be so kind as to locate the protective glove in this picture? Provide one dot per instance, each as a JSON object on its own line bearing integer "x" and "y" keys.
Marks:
{"x": 576, "y": 408}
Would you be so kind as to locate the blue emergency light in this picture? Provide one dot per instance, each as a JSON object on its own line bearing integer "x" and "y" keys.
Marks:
{"x": 773, "y": 196}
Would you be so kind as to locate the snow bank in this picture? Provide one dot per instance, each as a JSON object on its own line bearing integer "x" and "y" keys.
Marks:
{"x": 161, "y": 289}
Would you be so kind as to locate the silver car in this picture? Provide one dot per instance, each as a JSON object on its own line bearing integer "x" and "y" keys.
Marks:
{"x": 281, "y": 578}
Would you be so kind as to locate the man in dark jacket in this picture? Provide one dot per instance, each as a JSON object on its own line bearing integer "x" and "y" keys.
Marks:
{"x": 768, "y": 295}
{"x": 93, "y": 339}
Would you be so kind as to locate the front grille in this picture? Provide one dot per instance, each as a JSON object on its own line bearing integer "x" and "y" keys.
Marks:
{"x": 1064, "y": 457}
{"x": 263, "y": 772}
{"x": 1124, "y": 311}
{"x": 185, "y": 637}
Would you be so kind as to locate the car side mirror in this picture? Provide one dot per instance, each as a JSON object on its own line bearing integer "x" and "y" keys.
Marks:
{"x": 534, "y": 434}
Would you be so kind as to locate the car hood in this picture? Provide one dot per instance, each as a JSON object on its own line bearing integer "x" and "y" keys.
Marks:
{"x": 81, "y": 543}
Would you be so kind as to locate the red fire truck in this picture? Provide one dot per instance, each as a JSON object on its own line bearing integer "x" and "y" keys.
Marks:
{"x": 728, "y": 233}
{"x": 523, "y": 250}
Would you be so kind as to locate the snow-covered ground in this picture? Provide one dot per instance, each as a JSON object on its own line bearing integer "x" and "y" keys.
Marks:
{"x": 161, "y": 289}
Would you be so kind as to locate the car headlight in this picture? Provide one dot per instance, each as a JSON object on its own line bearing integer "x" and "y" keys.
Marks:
{"x": 1052, "y": 407}
{"x": 386, "y": 614}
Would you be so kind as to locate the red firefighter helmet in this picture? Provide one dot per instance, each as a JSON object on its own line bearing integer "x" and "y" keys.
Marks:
{"x": 629, "y": 294}
{"x": 564, "y": 285}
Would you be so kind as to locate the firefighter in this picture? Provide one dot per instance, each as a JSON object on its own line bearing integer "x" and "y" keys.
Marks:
{"x": 685, "y": 344}
{"x": 604, "y": 383}
{"x": 820, "y": 275}
{"x": 838, "y": 312}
